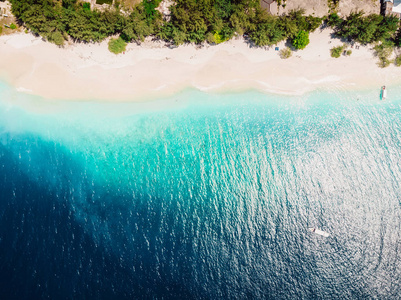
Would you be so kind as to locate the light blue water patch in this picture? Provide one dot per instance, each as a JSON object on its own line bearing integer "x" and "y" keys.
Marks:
{"x": 207, "y": 195}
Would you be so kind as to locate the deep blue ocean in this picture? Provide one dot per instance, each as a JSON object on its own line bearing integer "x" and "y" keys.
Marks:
{"x": 201, "y": 196}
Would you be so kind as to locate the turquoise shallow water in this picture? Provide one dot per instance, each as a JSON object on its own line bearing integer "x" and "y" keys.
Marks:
{"x": 201, "y": 196}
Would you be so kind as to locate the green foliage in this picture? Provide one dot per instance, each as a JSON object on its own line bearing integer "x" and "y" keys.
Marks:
{"x": 285, "y": 53}
{"x": 243, "y": 20}
{"x": 68, "y": 3}
{"x": 55, "y": 22}
{"x": 364, "y": 29}
{"x": 197, "y": 20}
{"x": 210, "y": 38}
{"x": 349, "y": 52}
{"x": 397, "y": 61}
{"x": 1, "y": 29}
{"x": 57, "y": 38}
{"x": 313, "y": 23}
{"x": 282, "y": 3}
{"x": 178, "y": 37}
{"x": 334, "y": 20}
{"x": 268, "y": 33}
{"x": 13, "y": 26}
{"x": 333, "y": 5}
{"x": 117, "y": 45}
{"x": 137, "y": 26}
{"x": 336, "y": 51}
{"x": 110, "y": 2}
{"x": 215, "y": 38}
{"x": 383, "y": 52}
{"x": 397, "y": 38}
{"x": 297, "y": 19}
{"x": 192, "y": 21}
{"x": 270, "y": 30}
{"x": 150, "y": 10}
{"x": 301, "y": 40}
{"x": 86, "y": 6}
{"x": 223, "y": 35}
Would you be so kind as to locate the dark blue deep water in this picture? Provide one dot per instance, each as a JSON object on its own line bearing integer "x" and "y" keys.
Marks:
{"x": 201, "y": 197}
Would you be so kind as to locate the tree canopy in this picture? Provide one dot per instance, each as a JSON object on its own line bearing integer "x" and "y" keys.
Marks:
{"x": 193, "y": 21}
{"x": 301, "y": 40}
{"x": 364, "y": 29}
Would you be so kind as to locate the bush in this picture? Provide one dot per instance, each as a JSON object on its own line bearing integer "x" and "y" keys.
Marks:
{"x": 1, "y": 29}
{"x": 301, "y": 40}
{"x": 285, "y": 53}
{"x": 336, "y": 51}
{"x": 397, "y": 61}
{"x": 349, "y": 52}
{"x": 117, "y": 45}
{"x": 13, "y": 26}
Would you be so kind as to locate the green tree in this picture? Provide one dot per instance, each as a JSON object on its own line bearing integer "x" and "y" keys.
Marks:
{"x": 365, "y": 29}
{"x": 301, "y": 40}
{"x": 178, "y": 36}
{"x": 192, "y": 21}
{"x": 136, "y": 27}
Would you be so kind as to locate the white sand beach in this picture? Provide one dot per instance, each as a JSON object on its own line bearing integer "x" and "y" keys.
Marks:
{"x": 90, "y": 71}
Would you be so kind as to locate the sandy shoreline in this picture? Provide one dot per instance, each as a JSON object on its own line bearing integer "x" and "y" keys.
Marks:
{"x": 90, "y": 71}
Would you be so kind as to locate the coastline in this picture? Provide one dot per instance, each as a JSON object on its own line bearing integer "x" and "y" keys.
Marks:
{"x": 151, "y": 70}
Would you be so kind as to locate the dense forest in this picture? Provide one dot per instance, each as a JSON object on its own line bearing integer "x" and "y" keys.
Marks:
{"x": 193, "y": 21}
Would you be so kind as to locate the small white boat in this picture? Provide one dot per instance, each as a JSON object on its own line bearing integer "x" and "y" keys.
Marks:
{"x": 383, "y": 94}
{"x": 319, "y": 232}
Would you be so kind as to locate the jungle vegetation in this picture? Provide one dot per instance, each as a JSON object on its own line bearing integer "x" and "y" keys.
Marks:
{"x": 193, "y": 21}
